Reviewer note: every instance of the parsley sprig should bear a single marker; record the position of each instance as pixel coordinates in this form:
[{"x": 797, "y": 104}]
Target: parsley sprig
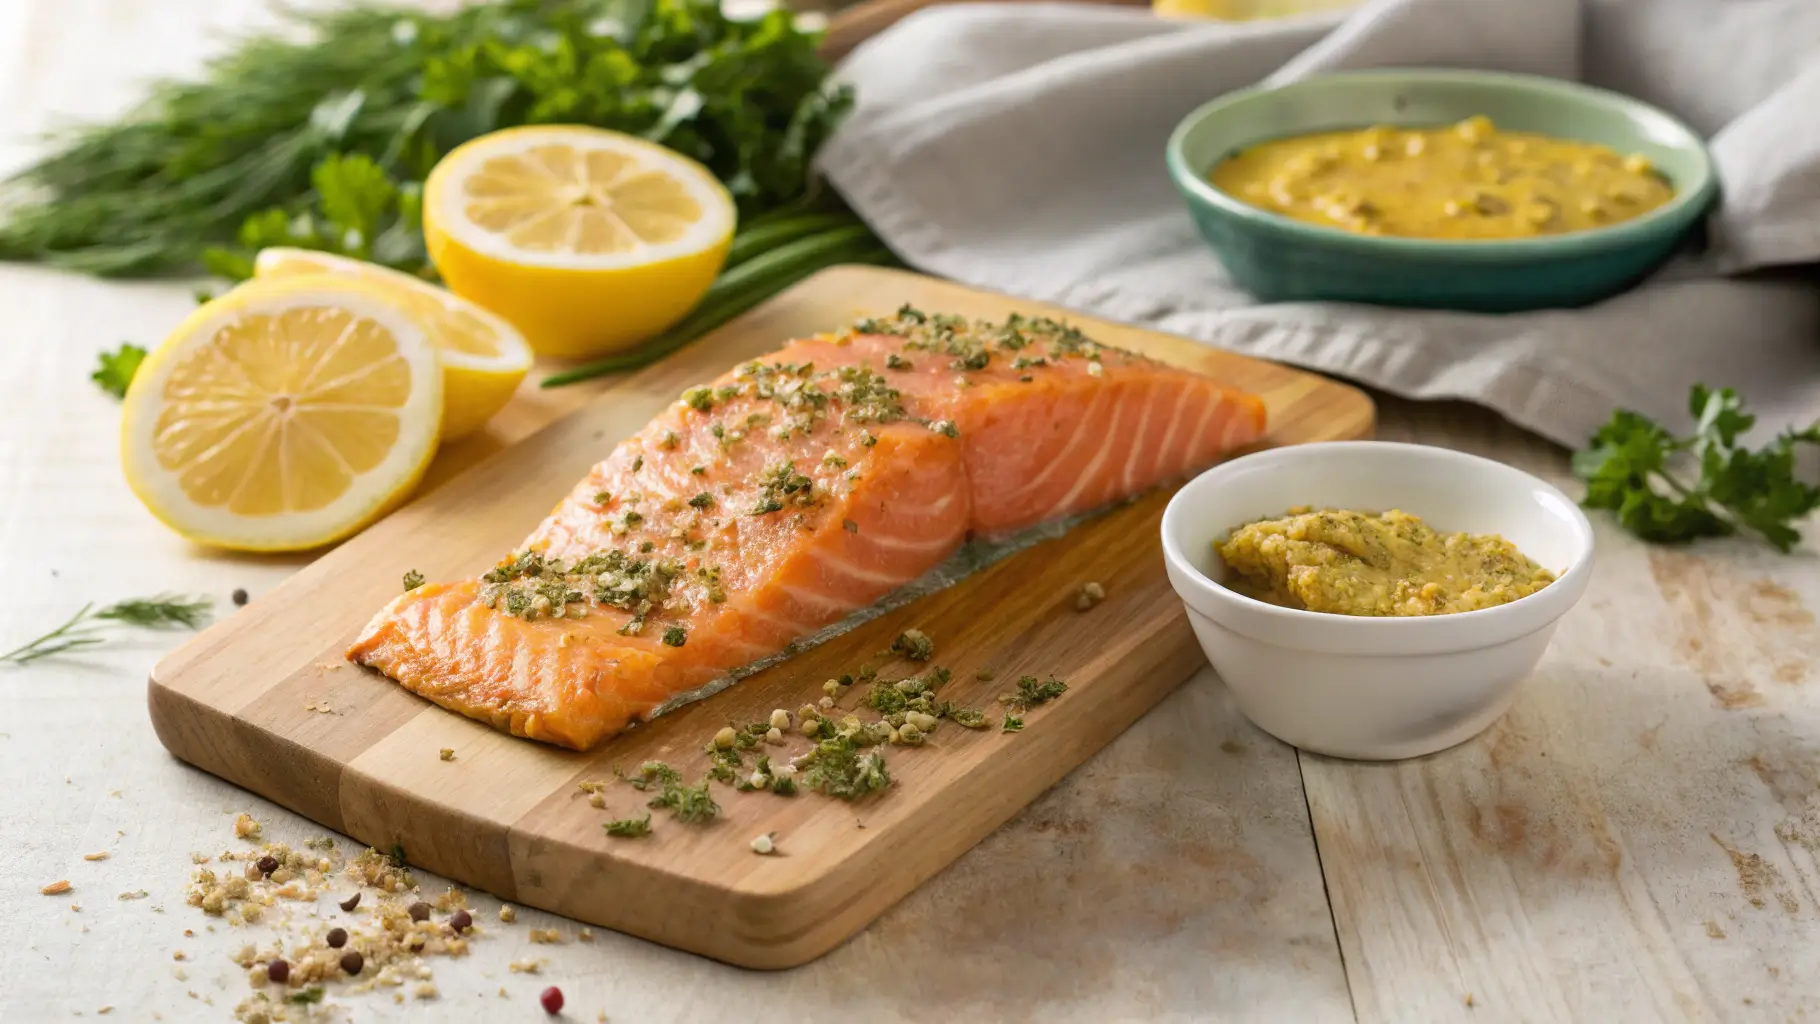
[
  {"x": 116, "y": 369},
  {"x": 1647, "y": 476},
  {"x": 89, "y": 626}
]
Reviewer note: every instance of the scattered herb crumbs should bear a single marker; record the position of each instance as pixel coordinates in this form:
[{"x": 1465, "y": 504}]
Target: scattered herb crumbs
[
  {"x": 914, "y": 644},
  {"x": 838, "y": 768},
  {"x": 690, "y": 805},
  {"x": 1031, "y": 692},
  {"x": 699, "y": 470},
  {"x": 629, "y": 828},
  {"x": 305, "y": 996},
  {"x": 413, "y": 580},
  {"x": 1012, "y": 723},
  {"x": 702, "y": 500},
  {"x": 397, "y": 855},
  {"x": 603, "y": 497},
  {"x": 969, "y": 718},
  {"x": 638, "y": 463},
  {"x": 654, "y": 773},
  {"x": 118, "y": 368},
  {"x": 675, "y": 636},
  {"x": 447, "y": 753},
  {"x": 849, "y": 525}
]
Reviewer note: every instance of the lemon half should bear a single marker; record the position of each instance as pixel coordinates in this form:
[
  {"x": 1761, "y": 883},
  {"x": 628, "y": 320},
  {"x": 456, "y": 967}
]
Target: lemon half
[
  {"x": 284, "y": 415},
  {"x": 588, "y": 240},
  {"x": 483, "y": 357}
]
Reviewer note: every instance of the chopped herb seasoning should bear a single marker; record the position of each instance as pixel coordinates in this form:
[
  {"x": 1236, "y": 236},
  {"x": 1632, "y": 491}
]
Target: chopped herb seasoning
[
  {"x": 914, "y": 645},
  {"x": 1012, "y": 723},
  {"x": 849, "y": 525},
  {"x": 699, "y": 470},
  {"x": 413, "y": 580},
  {"x": 1031, "y": 692},
  {"x": 837, "y": 768},
  {"x": 699, "y": 399},
  {"x": 675, "y": 636},
  {"x": 669, "y": 441},
  {"x": 306, "y": 996},
  {"x": 702, "y": 500},
  {"x": 691, "y": 805},
  {"x": 653, "y": 773},
  {"x": 779, "y": 484},
  {"x": 967, "y": 718},
  {"x": 603, "y": 497},
  {"x": 645, "y": 547},
  {"x": 629, "y": 828},
  {"x": 638, "y": 463},
  {"x": 946, "y": 428},
  {"x": 897, "y": 362},
  {"x": 867, "y": 440}
]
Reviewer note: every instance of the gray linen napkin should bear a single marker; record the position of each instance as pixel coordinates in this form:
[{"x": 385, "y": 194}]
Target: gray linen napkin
[{"x": 1018, "y": 147}]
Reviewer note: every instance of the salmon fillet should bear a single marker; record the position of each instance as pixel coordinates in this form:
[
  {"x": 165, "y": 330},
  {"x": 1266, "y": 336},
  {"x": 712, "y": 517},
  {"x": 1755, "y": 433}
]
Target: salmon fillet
[{"x": 785, "y": 495}]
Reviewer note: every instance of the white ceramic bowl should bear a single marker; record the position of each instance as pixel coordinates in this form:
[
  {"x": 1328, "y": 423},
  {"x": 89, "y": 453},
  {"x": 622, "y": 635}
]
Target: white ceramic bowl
[{"x": 1374, "y": 688}]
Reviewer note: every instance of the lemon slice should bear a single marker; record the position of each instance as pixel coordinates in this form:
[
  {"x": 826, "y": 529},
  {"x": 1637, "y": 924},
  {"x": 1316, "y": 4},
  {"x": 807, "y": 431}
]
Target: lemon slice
[
  {"x": 483, "y": 357},
  {"x": 284, "y": 415},
  {"x": 588, "y": 240}
]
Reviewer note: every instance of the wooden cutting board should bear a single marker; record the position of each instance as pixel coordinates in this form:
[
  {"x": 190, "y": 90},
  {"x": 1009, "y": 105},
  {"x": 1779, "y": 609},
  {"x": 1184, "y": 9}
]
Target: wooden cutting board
[{"x": 264, "y": 698}]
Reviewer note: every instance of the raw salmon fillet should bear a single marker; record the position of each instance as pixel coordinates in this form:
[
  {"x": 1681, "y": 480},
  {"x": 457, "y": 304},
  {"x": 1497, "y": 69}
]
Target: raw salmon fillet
[{"x": 787, "y": 494}]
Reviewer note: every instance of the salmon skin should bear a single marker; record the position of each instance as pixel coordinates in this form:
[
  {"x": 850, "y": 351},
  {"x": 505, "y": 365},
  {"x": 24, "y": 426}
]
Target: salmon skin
[{"x": 787, "y": 494}]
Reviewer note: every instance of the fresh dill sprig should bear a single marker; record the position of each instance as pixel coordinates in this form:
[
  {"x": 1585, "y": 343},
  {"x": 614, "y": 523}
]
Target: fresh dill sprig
[{"x": 88, "y": 626}]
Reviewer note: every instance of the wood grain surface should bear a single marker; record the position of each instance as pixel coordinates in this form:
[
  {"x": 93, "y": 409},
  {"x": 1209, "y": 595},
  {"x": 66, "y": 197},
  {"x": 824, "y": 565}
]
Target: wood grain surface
[{"x": 244, "y": 699}]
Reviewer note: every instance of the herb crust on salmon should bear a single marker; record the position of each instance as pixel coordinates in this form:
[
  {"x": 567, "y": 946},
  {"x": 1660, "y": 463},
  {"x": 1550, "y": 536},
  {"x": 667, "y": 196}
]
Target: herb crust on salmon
[{"x": 789, "y": 493}]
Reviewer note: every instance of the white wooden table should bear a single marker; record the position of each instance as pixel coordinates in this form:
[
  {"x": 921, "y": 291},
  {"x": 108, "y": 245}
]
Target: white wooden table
[{"x": 1636, "y": 840}]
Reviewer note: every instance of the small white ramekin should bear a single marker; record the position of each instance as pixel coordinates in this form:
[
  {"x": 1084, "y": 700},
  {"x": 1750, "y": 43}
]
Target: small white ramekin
[{"x": 1374, "y": 688}]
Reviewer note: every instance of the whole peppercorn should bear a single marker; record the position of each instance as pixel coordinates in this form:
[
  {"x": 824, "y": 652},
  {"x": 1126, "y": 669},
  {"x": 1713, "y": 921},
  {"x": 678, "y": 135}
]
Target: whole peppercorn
[
  {"x": 352, "y": 961},
  {"x": 267, "y": 864},
  {"x": 337, "y": 938},
  {"x": 239, "y": 596},
  {"x": 278, "y": 971},
  {"x": 551, "y": 1000},
  {"x": 461, "y": 920},
  {"x": 420, "y": 911}
]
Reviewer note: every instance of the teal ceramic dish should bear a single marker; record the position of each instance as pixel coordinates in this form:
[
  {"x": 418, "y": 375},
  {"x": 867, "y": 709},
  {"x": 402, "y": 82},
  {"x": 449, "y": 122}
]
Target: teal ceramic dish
[{"x": 1283, "y": 260}]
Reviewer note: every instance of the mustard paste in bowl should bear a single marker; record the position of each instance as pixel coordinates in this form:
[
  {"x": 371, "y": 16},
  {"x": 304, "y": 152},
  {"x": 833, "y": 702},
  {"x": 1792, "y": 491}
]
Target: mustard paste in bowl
[{"x": 1465, "y": 181}]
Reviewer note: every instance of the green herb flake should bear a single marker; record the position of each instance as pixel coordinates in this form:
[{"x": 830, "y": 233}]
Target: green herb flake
[
  {"x": 691, "y": 805},
  {"x": 838, "y": 768},
  {"x": 652, "y": 773},
  {"x": 413, "y": 580},
  {"x": 675, "y": 636},
  {"x": 702, "y": 500},
  {"x": 914, "y": 645},
  {"x": 1012, "y": 723},
  {"x": 629, "y": 828},
  {"x": 305, "y": 996},
  {"x": 849, "y": 525},
  {"x": 116, "y": 369},
  {"x": 1032, "y": 692},
  {"x": 638, "y": 463}
]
